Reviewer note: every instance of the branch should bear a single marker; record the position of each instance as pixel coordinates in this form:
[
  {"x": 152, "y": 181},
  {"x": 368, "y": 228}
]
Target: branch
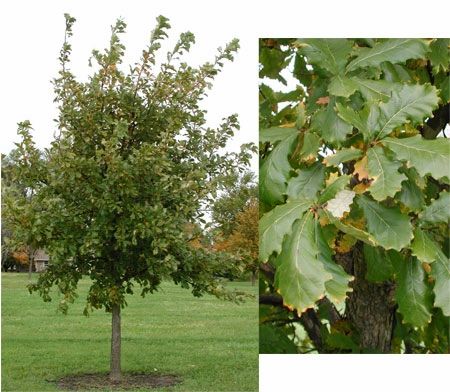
[
  {"x": 311, "y": 322},
  {"x": 334, "y": 314},
  {"x": 271, "y": 299},
  {"x": 268, "y": 271},
  {"x": 309, "y": 319},
  {"x": 435, "y": 124}
]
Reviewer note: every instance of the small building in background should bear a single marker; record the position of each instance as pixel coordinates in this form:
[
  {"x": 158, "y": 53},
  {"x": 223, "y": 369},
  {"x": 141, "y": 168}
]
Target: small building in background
[{"x": 40, "y": 260}]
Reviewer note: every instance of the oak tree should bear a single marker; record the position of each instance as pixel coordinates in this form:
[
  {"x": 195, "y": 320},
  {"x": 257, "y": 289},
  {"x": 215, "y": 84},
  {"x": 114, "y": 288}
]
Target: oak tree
[{"x": 131, "y": 166}]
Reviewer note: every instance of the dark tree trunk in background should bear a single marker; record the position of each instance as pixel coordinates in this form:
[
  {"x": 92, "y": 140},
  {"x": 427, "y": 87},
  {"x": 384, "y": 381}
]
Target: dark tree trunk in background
[
  {"x": 115, "y": 371},
  {"x": 370, "y": 307},
  {"x": 30, "y": 262}
]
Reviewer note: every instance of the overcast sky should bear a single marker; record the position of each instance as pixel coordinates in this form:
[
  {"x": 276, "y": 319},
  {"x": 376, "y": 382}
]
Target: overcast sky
[
  {"x": 39, "y": 32},
  {"x": 32, "y": 33}
]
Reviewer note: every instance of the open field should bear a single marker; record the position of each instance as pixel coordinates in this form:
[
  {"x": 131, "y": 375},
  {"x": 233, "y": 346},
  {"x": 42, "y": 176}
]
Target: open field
[{"x": 211, "y": 344}]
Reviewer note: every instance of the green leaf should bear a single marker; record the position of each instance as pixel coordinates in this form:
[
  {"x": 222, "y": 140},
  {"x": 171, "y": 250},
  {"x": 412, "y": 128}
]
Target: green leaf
[
  {"x": 336, "y": 288},
  {"x": 332, "y": 128},
  {"x": 427, "y": 156},
  {"x": 342, "y": 342},
  {"x": 390, "y": 228},
  {"x": 330, "y": 54},
  {"x": 273, "y": 340},
  {"x": 440, "y": 271},
  {"x": 379, "y": 265},
  {"x": 423, "y": 247},
  {"x": 331, "y": 190},
  {"x": 438, "y": 210},
  {"x": 411, "y": 195},
  {"x": 273, "y": 61},
  {"x": 410, "y": 103},
  {"x": 440, "y": 55},
  {"x": 375, "y": 90},
  {"x": 308, "y": 182},
  {"x": 359, "y": 234},
  {"x": 350, "y": 116},
  {"x": 342, "y": 86},
  {"x": 445, "y": 89},
  {"x": 392, "y": 50},
  {"x": 274, "y": 172},
  {"x": 300, "y": 276},
  {"x": 276, "y": 134},
  {"x": 277, "y": 223},
  {"x": 384, "y": 171},
  {"x": 343, "y": 155},
  {"x": 396, "y": 73},
  {"x": 412, "y": 293},
  {"x": 310, "y": 146}
]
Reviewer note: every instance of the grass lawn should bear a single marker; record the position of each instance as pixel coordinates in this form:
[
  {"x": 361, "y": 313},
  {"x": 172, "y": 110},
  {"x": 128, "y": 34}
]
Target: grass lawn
[{"x": 211, "y": 344}]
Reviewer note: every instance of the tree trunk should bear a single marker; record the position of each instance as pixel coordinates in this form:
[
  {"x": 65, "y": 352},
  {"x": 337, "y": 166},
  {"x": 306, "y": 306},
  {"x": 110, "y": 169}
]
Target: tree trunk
[
  {"x": 115, "y": 371},
  {"x": 30, "y": 262},
  {"x": 253, "y": 277},
  {"x": 370, "y": 307}
]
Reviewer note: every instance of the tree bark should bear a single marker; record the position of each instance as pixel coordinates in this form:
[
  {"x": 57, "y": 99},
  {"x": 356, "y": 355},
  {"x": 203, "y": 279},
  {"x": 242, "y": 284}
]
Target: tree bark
[
  {"x": 370, "y": 307},
  {"x": 30, "y": 262},
  {"x": 115, "y": 371}
]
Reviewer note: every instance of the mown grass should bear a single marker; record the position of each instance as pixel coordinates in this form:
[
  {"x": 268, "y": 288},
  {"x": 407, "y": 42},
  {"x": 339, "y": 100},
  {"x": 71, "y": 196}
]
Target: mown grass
[{"x": 211, "y": 344}]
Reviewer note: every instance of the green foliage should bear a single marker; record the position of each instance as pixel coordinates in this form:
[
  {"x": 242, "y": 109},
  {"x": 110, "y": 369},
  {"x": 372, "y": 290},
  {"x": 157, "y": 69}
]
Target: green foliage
[
  {"x": 132, "y": 167},
  {"x": 373, "y": 176}
]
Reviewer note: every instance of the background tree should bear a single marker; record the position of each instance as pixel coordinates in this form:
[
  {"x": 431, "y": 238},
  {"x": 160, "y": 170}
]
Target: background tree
[
  {"x": 243, "y": 239},
  {"x": 22, "y": 173},
  {"x": 239, "y": 191},
  {"x": 235, "y": 221},
  {"x": 354, "y": 232},
  {"x": 133, "y": 163}
]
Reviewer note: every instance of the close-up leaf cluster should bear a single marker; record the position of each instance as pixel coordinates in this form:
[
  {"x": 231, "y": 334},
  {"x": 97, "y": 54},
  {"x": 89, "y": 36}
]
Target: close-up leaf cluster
[{"x": 354, "y": 193}]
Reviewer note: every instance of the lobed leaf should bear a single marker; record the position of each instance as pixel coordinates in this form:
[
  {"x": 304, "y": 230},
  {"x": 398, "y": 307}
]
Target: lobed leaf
[
  {"x": 342, "y": 155},
  {"x": 427, "y": 156},
  {"x": 309, "y": 181},
  {"x": 411, "y": 195},
  {"x": 390, "y": 228},
  {"x": 330, "y": 54},
  {"x": 438, "y": 210},
  {"x": 392, "y": 50},
  {"x": 310, "y": 146},
  {"x": 342, "y": 86},
  {"x": 274, "y": 172},
  {"x": 338, "y": 286},
  {"x": 440, "y": 271},
  {"x": 423, "y": 247},
  {"x": 300, "y": 276},
  {"x": 412, "y": 293},
  {"x": 332, "y": 128},
  {"x": 410, "y": 103},
  {"x": 378, "y": 263},
  {"x": 276, "y": 134},
  {"x": 384, "y": 171},
  {"x": 277, "y": 223},
  {"x": 375, "y": 90}
]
